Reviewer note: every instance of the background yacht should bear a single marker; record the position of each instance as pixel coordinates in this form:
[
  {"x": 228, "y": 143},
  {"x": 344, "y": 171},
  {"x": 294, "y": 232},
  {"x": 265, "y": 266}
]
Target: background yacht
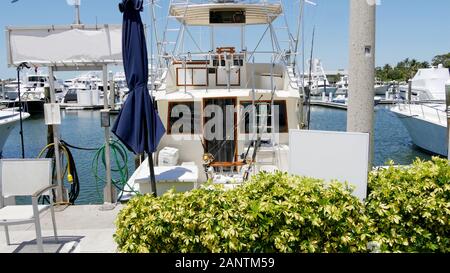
[
  {"x": 32, "y": 93},
  {"x": 425, "y": 117},
  {"x": 319, "y": 81},
  {"x": 428, "y": 84}
]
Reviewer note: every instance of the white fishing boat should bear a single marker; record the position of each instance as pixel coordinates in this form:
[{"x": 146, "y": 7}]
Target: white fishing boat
[
  {"x": 9, "y": 118},
  {"x": 425, "y": 117},
  {"x": 426, "y": 124},
  {"x": 227, "y": 116},
  {"x": 427, "y": 85},
  {"x": 381, "y": 88},
  {"x": 319, "y": 83}
]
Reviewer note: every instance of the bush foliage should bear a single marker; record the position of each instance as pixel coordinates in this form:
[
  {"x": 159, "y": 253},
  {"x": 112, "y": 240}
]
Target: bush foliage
[
  {"x": 407, "y": 211},
  {"x": 272, "y": 213},
  {"x": 410, "y": 207}
]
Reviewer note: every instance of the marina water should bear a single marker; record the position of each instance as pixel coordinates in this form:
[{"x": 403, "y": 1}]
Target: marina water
[{"x": 82, "y": 129}]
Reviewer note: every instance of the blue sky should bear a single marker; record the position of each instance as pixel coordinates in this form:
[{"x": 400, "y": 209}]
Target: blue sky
[{"x": 405, "y": 28}]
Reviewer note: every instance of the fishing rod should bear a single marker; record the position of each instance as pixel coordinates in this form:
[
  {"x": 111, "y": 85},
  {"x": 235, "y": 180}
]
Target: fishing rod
[{"x": 308, "y": 91}]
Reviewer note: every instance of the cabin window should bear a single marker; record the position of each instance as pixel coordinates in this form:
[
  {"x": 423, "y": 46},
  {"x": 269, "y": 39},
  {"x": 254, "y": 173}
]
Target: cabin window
[
  {"x": 197, "y": 76},
  {"x": 184, "y": 118},
  {"x": 227, "y": 17},
  {"x": 263, "y": 112}
]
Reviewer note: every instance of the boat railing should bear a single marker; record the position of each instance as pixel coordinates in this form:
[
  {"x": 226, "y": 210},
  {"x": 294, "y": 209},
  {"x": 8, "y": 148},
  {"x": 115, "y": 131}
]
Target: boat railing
[{"x": 420, "y": 109}]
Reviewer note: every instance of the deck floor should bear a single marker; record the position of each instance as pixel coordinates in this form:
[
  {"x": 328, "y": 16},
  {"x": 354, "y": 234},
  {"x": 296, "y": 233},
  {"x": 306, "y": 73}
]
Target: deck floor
[{"x": 81, "y": 229}]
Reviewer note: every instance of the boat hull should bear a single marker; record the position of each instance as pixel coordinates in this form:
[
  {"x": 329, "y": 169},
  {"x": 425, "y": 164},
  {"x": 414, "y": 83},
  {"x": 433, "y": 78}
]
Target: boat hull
[
  {"x": 7, "y": 124},
  {"x": 327, "y": 90},
  {"x": 381, "y": 90},
  {"x": 426, "y": 135},
  {"x": 32, "y": 107}
]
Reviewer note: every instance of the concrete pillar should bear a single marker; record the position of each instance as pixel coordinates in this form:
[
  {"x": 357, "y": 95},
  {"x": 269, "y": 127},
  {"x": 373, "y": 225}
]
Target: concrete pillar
[
  {"x": 362, "y": 70},
  {"x": 447, "y": 94}
]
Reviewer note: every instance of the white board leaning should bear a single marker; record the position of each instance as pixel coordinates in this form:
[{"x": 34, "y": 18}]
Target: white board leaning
[
  {"x": 64, "y": 45},
  {"x": 331, "y": 156}
]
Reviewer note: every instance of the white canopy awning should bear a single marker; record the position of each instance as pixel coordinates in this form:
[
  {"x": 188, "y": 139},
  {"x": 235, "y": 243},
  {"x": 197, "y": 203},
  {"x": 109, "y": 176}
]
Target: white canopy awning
[
  {"x": 69, "y": 46},
  {"x": 198, "y": 14}
]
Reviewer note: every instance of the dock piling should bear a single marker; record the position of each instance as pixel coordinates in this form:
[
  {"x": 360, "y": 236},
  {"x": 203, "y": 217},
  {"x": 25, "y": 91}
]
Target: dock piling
[
  {"x": 362, "y": 70},
  {"x": 447, "y": 95}
]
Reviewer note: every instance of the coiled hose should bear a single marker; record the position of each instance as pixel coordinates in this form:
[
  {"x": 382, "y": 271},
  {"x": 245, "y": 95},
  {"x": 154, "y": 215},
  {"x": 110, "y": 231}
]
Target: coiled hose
[
  {"x": 69, "y": 171},
  {"x": 119, "y": 166}
]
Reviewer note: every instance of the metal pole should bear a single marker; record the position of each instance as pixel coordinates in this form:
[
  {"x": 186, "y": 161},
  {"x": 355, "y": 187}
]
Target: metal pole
[
  {"x": 60, "y": 196},
  {"x": 150, "y": 155},
  {"x": 212, "y": 38},
  {"x": 77, "y": 14},
  {"x": 152, "y": 82},
  {"x": 152, "y": 175},
  {"x": 242, "y": 37},
  {"x": 109, "y": 196},
  {"x": 409, "y": 91},
  {"x": 20, "y": 112},
  {"x": 362, "y": 70},
  {"x": 447, "y": 93}
]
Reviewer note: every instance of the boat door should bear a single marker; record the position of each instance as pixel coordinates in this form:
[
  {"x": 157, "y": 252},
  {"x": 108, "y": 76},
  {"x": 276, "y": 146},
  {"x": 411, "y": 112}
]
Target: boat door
[{"x": 220, "y": 137}]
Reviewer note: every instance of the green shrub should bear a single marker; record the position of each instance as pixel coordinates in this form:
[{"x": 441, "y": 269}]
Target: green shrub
[
  {"x": 407, "y": 210},
  {"x": 410, "y": 207},
  {"x": 272, "y": 213}
]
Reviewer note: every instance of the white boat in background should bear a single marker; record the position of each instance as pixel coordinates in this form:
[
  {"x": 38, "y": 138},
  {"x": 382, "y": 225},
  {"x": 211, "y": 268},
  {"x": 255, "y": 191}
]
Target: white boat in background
[
  {"x": 319, "y": 82},
  {"x": 342, "y": 86},
  {"x": 426, "y": 124},
  {"x": 425, "y": 117},
  {"x": 381, "y": 88},
  {"x": 32, "y": 93},
  {"x": 428, "y": 84},
  {"x": 9, "y": 118},
  {"x": 84, "y": 90}
]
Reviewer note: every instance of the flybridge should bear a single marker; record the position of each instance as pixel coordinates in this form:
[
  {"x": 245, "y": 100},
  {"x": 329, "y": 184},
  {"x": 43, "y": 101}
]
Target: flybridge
[{"x": 195, "y": 13}]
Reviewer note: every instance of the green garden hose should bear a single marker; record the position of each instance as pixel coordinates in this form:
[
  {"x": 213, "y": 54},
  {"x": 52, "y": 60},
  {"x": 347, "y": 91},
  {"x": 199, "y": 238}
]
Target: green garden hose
[{"x": 119, "y": 168}]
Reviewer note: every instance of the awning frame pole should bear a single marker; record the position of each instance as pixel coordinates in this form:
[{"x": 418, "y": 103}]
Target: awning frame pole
[
  {"x": 108, "y": 191},
  {"x": 60, "y": 196}
]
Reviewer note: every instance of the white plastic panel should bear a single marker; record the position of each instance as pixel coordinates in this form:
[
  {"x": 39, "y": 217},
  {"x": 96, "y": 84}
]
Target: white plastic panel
[
  {"x": 331, "y": 156},
  {"x": 23, "y": 177},
  {"x": 52, "y": 113}
]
